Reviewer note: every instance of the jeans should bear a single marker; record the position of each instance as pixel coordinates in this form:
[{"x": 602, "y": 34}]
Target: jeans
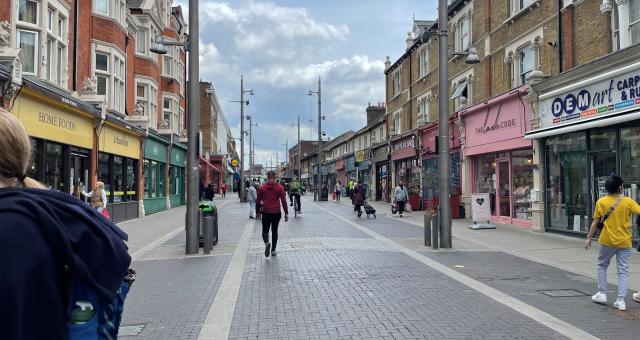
[
  {"x": 623, "y": 256},
  {"x": 270, "y": 221},
  {"x": 401, "y": 206},
  {"x": 252, "y": 208},
  {"x": 338, "y": 194}
]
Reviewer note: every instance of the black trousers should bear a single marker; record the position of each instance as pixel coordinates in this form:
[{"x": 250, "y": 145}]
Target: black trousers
[
  {"x": 270, "y": 221},
  {"x": 401, "y": 206},
  {"x": 295, "y": 196}
]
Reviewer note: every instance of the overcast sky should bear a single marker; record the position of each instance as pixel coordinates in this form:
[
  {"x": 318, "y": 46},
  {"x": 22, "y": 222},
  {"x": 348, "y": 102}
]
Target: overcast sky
[{"x": 281, "y": 47}]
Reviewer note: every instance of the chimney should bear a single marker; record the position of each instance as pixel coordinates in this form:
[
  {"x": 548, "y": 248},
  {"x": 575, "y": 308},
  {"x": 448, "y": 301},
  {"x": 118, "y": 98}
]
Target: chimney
[
  {"x": 387, "y": 63},
  {"x": 409, "y": 40},
  {"x": 374, "y": 112}
]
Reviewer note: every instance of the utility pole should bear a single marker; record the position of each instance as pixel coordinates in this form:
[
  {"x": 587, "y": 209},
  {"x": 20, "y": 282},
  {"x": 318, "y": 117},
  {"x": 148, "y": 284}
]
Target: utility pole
[
  {"x": 193, "y": 120},
  {"x": 444, "y": 167},
  {"x": 299, "y": 150},
  {"x": 316, "y": 193},
  {"x": 241, "y": 186}
]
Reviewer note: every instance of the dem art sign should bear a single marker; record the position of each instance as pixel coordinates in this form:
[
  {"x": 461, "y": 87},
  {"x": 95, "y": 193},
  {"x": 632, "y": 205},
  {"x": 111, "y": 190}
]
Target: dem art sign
[{"x": 601, "y": 98}]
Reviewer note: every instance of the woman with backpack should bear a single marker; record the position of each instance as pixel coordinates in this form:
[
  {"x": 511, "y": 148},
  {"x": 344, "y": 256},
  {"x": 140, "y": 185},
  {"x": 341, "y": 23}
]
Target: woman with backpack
[
  {"x": 612, "y": 216},
  {"x": 51, "y": 245}
]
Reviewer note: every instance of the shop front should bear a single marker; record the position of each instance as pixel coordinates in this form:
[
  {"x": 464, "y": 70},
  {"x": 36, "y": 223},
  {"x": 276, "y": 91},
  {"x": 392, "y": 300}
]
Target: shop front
[
  {"x": 177, "y": 175},
  {"x": 431, "y": 183},
  {"x": 118, "y": 168},
  {"x": 501, "y": 160},
  {"x": 332, "y": 177},
  {"x": 350, "y": 168},
  {"x": 61, "y": 129},
  {"x": 363, "y": 164},
  {"x": 589, "y": 128},
  {"x": 406, "y": 167},
  {"x": 340, "y": 171},
  {"x": 380, "y": 164},
  {"x": 155, "y": 174}
]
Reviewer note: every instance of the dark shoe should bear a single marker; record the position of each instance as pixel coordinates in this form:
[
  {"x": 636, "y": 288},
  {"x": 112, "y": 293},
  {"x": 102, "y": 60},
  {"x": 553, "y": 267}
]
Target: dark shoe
[
  {"x": 291, "y": 204},
  {"x": 251, "y": 217},
  {"x": 267, "y": 249},
  {"x": 359, "y": 213}
]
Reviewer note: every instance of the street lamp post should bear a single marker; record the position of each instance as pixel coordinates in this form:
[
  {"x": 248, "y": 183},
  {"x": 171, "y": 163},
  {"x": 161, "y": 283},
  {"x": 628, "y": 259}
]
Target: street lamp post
[
  {"x": 297, "y": 162},
  {"x": 242, "y": 104},
  {"x": 444, "y": 167},
  {"x": 193, "y": 119},
  {"x": 251, "y": 149},
  {"x": 316, "y": 193}
]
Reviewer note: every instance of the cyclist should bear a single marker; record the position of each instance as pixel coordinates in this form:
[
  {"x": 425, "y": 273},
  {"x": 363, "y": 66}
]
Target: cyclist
[{"x": 294, "y": 191}]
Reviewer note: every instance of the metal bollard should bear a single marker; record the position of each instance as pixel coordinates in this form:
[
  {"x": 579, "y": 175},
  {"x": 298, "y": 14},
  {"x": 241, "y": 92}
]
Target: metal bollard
[
  {"x": 427, "y": 229},
  {"x": 208, "y": 234},
  {"x": 435, "y": 228}
]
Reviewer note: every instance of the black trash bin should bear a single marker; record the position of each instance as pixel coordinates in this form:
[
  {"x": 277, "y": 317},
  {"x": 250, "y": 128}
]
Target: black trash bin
[
  {"x": 208, "y": 212},
  {"x": 324, "y": 194}
]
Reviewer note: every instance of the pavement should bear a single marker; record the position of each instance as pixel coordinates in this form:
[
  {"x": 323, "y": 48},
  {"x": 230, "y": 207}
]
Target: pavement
[{"x": 337, "y": 276}]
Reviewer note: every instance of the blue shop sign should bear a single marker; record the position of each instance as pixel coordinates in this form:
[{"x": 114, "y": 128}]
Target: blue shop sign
[
  {"x": 590, "y": 99},
  {"x": 350, "y": 163},
  {"x": 364, "y": 165}
]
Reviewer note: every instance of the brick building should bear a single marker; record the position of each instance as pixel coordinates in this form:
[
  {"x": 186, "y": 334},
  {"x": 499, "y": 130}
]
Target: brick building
[
  {"x": 88, "y": 64},
  {"x": 489, "y": 102}
]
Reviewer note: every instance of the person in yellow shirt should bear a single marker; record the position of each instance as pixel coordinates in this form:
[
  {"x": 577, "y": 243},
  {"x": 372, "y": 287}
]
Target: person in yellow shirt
[{"x": 614, "y": 239}]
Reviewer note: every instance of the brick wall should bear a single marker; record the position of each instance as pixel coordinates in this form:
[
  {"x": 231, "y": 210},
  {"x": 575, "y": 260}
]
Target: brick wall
[
  {"x": 84, "y": 41},
  {"x": 592, "y": 32},
  {"x": 5, "y": 13},
  {"x": 108, "y": 31}
]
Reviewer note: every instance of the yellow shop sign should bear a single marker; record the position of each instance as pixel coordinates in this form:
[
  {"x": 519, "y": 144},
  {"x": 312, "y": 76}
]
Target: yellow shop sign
[
  {"x": 360, "y": 156},
  {"x": 118, "y": 142},
  {"x": 55, "y": 124}
]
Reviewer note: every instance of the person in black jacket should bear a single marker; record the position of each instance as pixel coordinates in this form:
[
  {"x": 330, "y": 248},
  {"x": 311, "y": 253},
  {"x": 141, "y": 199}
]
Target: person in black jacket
[
  {"x": 47, "y": 239},
  {"x": 209, "y": 193}
]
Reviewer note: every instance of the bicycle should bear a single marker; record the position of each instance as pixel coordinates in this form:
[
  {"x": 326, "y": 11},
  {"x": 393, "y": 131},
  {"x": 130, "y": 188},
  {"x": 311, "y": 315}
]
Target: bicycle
[{"x": 296, "y": 205}]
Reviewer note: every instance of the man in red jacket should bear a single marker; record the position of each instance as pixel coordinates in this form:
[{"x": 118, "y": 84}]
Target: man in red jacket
[{"x": 270, "y": 197}]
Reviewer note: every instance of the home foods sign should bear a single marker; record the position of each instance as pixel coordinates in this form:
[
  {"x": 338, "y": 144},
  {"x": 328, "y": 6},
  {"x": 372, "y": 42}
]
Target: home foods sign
[{"x": 604, "y": 97}]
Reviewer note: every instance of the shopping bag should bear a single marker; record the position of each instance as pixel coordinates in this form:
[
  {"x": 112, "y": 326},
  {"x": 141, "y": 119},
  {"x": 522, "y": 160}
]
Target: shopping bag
[{"x": 105, "y": 213}]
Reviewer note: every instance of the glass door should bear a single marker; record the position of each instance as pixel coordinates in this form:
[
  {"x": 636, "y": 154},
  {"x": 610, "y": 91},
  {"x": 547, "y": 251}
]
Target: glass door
[
  {"x": 504, "y": 189},
  {"x": 603, "y": 164}
]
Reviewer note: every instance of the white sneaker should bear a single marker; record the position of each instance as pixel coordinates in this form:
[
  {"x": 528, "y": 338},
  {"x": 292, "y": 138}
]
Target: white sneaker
[
  {"x": 600, "y": 298},
  {"x": 620, "y": 305},
  {"x": 274, "y": 253},
  {"x": 636, "y": 297}
]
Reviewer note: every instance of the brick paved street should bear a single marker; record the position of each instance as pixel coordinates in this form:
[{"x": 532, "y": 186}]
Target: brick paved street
[{"x": 340, "y": 277}]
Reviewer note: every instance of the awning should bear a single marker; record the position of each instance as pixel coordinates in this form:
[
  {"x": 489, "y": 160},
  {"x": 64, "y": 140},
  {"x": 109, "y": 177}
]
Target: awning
[
  {"x": 206, "y": 162},
  {"x": 458, "y": 92}
]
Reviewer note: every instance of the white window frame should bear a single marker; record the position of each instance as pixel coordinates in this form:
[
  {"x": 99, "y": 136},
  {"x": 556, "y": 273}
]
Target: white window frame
[
  {"x": 117, "y": 11},
  {"x": 423, "y": 57},
  {"x": 168, "y": 59},
  {"x": 397, "y": 121},
  {"x": 515, "y": 6},
  {"x": 180, "y": 76},
  {"x": 116, "y": 75},
  {"x": 36, "y": 56},
  {"x": 173, "y": 111},
  {"x": 631, "y": 24},
  {"x": 149, "y": 101},
  {"x": 460, "y": 46},
  {"x": 423, "y": 106},
  {"x": 142, "y": 41},
  {"x": 396, "y": 81}
]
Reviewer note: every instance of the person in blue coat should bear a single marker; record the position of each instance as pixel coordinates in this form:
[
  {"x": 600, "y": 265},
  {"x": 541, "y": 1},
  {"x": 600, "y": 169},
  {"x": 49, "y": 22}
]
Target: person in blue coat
[{"x": 47, "y": 238}]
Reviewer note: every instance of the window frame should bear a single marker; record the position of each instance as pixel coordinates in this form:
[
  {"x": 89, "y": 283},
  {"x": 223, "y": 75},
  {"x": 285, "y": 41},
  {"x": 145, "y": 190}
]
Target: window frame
[
  {"x": 116, "y": 89},
  {"x": 38, "y": 9},
  {"x": 459, "y": 34},
  {"x": 149, "y": 100},
  {"x": 142, "y": 42},
  {"x": 36, "y": 54},
  {"x": 396, "y": 80},
  {"x": 423, "y": 60}
]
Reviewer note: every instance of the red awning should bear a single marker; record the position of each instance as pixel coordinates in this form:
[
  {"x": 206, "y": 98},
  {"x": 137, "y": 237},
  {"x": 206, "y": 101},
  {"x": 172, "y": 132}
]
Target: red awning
[{"x": 203, "y": 160}]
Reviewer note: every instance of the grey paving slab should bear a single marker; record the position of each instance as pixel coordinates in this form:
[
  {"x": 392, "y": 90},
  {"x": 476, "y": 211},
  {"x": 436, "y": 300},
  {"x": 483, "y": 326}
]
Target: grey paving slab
[
  {"x": 525, "y": 279},
  {"x": 171, "y": 297},
  {"x": 363, "y": 294}
]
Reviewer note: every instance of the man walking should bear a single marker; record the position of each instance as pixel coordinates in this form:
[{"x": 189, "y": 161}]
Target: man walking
[
  {"x": 271, "y": 197},
  {"x": 252, "y": 196},
  {"x": 400, "y": 197}
]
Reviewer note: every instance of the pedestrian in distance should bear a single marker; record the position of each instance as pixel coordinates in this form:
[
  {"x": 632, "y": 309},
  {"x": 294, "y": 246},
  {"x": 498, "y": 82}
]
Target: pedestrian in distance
[
  {"x": 98, "y": 199},
  {"x": 359, "y": 197},
  {"x": 252, "y": 196},
  {"x": 614, "y": 211},
  {"x": 224, "y": 189},
  {"x": 338, "y": 191},
  {"x": 294, "y": 192},
  {"x": 400, "y": 197},
  {"x": 201, "y": 189},
  {"x": 50, "y": 241},
  {"x": 271, "y": 197},
  {"x": 209, "y": 193}
]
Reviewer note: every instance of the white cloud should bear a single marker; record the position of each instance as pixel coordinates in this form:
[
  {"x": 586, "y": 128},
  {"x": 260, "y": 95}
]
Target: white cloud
[{"x": 211, "y": 61}]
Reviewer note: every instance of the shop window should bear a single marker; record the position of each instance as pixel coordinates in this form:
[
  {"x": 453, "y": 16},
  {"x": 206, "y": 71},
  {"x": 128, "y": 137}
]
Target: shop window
[
  {"x": 485, "y": 178},
  {"x": 118, "y": 179},
  {"x": 177, "y": 180},
  {"x": 567, "y": 182},
  {"x": 53, "y": 166},
  {"x": 522, "y": 173},
  {"x": 132, "y": 180},
  {"x": 630, "y": 153},
  {"x": 103, "y": 174},
  {"x": 32, "y": 170}
]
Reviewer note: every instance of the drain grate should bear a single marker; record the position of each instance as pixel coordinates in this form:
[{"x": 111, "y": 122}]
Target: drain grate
[
  {"x": 629, "y": 314},
  {"x": 562, "y": 293},
  {"x": 130, "y": 330}
]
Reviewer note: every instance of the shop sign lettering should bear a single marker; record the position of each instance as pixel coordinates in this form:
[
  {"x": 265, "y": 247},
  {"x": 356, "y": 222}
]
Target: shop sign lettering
[
  {"x": 600, "y": 98},
  {"x": 121, "y": 140},
  {"x": 56, "y": 121},
  {"x": 407, "y": 143},
  {"x": 506, "y": 124}
]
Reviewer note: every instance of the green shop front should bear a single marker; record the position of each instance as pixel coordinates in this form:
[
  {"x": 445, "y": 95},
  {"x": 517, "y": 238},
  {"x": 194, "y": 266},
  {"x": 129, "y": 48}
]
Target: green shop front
[
  {"x": 155, "y": 174},
  {"x": 177, "y": 175}
]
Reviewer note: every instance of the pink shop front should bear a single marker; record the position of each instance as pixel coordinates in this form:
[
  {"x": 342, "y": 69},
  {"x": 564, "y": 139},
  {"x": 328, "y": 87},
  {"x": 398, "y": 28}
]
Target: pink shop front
[{"x": 499, "y": 159}]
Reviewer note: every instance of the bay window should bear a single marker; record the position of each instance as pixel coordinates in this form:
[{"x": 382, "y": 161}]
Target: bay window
[
  {"x": 141, "y": 42},
  {"x": 27, "y": 42},
  {"x": 170, "y": 113},
  {"x": 146, "y": 100},
  {"x": 28, "y": 11},
  {"x": 110, "y": 71}
]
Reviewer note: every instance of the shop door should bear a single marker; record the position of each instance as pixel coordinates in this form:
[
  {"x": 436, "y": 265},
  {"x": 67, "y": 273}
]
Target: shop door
[
  {"x": 504, "y": 190},
  {"x": 79, "y": 173},
  {"x": 603, "y": 164}
]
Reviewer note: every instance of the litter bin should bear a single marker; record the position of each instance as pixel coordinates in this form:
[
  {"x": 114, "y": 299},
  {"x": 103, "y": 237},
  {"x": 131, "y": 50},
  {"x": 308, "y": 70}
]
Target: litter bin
[
  {"x": 324, "y": 194},
  {"x": 208, "y": 226}
]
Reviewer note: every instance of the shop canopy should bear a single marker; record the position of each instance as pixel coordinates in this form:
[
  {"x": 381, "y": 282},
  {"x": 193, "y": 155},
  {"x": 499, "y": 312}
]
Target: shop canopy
[{"x": 204, "y": 162}]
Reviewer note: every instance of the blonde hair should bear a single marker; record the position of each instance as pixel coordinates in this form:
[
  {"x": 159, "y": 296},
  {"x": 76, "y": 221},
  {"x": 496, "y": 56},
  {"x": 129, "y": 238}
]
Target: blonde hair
[{"x": 15, "y": 153}]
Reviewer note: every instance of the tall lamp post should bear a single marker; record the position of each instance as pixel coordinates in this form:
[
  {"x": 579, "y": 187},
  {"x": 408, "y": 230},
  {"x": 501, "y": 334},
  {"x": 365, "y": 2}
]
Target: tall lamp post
[
  {"x": 193, "y": 119},
  {"x": 251, "y": 150},
  {"x": 297, "y": 162},
  {"x": 242, "y": 104},
  {"x": 316, "y": 193},
  {"x": 444, "y": 167}
]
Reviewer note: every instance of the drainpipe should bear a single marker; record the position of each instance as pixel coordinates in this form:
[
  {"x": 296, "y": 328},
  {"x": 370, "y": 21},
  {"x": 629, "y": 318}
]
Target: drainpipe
[
  {"x": 560, "y": 36},
  {"x": 74, "y": 81}
]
